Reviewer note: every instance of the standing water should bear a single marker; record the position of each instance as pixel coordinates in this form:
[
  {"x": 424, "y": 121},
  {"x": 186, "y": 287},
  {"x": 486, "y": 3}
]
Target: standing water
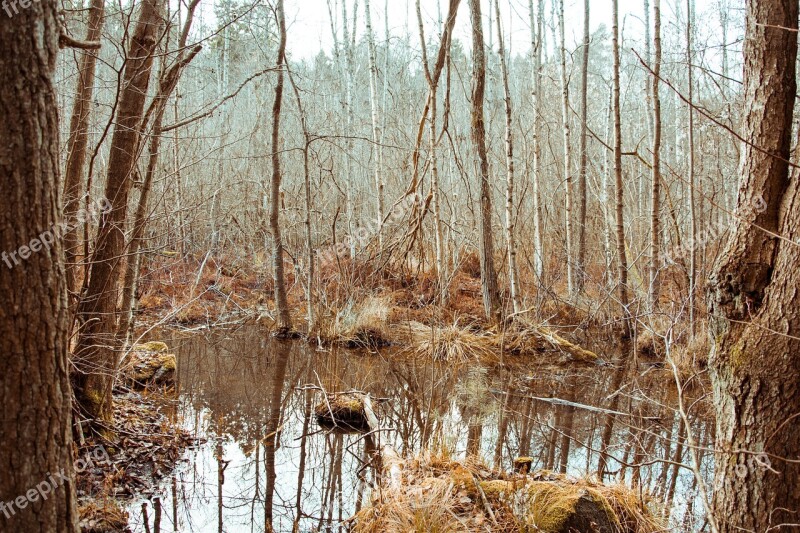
[{"x": 262, "y": 459}]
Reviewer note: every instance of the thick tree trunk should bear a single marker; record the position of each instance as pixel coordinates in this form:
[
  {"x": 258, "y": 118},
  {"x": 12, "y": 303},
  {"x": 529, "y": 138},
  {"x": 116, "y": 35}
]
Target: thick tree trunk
[
  {"x": 491, "y": 294},
  {"x": 77, "y": 144},
  {"x": 753, "y": 294},
  {"x": 35, "y": 435},
  {"x": 95, "y": 352},
  {"x": 281, "y": 302}
]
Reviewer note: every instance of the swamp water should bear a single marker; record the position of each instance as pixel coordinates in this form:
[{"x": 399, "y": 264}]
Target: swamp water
[{"x": 263, "y": 458}]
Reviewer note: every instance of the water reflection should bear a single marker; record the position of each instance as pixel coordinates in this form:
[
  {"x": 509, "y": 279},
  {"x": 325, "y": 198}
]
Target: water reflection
[{"x": 266, "y": 465}]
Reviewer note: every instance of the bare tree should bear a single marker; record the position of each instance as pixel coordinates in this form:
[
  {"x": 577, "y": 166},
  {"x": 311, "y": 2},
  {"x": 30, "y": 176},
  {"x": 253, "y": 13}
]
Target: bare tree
[
  {"x": 692, "y": 182},
  {"x": 513, "y": 276},
  {"x": 78, "y": 142},
  {"x": 284, "y": 325},
  {"x": 580, "y": 266},
  {"x": 376, "y": 137},
  {"x": 622, "y": 262},
  {"x": 537, "y": 34},
  {"x": 655, "y": 203},
  {"x": 565, "y": 113},
  {"x": 491, "y": 293},
  {"x": 95, "y": 351}
]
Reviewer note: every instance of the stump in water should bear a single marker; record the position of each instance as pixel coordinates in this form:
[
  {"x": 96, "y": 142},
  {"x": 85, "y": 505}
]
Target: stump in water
[{"x": 346, "y": 413}]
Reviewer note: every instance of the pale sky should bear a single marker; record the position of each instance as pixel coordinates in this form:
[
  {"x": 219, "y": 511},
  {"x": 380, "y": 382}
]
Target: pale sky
[{"x": 310, "y": 30}]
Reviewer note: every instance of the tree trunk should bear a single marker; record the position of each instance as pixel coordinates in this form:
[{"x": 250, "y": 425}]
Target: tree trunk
[
  {"x": 565, "y": 109},
  {"x": 167, "y": 84},
  {"x": 95, "y": 354},
  {"x": 622, "y": 262},
  {"x": 77, "y": 143},
  {"x": 35, "y": 436},
  {"x": 491, "y": 294},
  {"x": 655, "y": 213},
  {"x": 692, "y": 213},
  {"x": 536, "y": 50},
  {"x": 580, "y": 265},
  {"x": 433, "y": 84},
  {"x": 281, "y": 303},
  {"x": 511, "y": 245},
  {"x": 752, "y": 296},
  {"x": 376, "y": 138}
]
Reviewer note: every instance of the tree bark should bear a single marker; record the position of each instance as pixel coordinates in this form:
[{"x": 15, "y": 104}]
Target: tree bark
[
  {"x": 752, "y": 295},
  {"x": 35, "y": 435},
  {"x": 95, "y": 352},
  {"x": 77, "y": 143},
  {"x": 281, "y": 302},
  {"x": 491, "y": 294}
]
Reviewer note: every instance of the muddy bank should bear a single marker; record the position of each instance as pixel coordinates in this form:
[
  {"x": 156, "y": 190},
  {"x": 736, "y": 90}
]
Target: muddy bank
[{"x": 139, "y": 449}]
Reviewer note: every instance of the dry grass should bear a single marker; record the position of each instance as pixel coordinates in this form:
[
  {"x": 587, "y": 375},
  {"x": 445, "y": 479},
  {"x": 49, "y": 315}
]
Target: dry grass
[
  {"x": 451, "y": 343},
  {"x": 358, "y": 325}
]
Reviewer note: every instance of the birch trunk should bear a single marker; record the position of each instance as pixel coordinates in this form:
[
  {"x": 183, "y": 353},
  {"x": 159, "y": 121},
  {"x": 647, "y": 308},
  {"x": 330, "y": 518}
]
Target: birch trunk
[
  {"x": 568, "y": 200},
  {"x": 509, "y": 138}
]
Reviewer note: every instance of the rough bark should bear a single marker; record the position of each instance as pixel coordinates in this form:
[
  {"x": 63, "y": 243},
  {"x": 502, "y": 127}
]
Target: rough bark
[
  {"x": 95, "y": 353},
  {"x": 35, "y": 436},
  {"x": 753, "y": 295},
  {"x": 78, "y": 141},
  {"x": 491, "y": 294},
  {"x": 281, "y": 302}
]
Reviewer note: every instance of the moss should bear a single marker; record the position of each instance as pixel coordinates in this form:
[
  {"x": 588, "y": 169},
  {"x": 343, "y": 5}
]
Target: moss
[
  {"x": 168, "y": 362},
  {"x": 153, "y": 346}
]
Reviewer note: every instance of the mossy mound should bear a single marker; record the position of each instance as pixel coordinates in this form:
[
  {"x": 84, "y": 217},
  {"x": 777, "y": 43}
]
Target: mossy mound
[
  {"x": 447, "y": 495},
  {"x": 151, "y": 368},
  {"x": 153, "y": 346}
]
